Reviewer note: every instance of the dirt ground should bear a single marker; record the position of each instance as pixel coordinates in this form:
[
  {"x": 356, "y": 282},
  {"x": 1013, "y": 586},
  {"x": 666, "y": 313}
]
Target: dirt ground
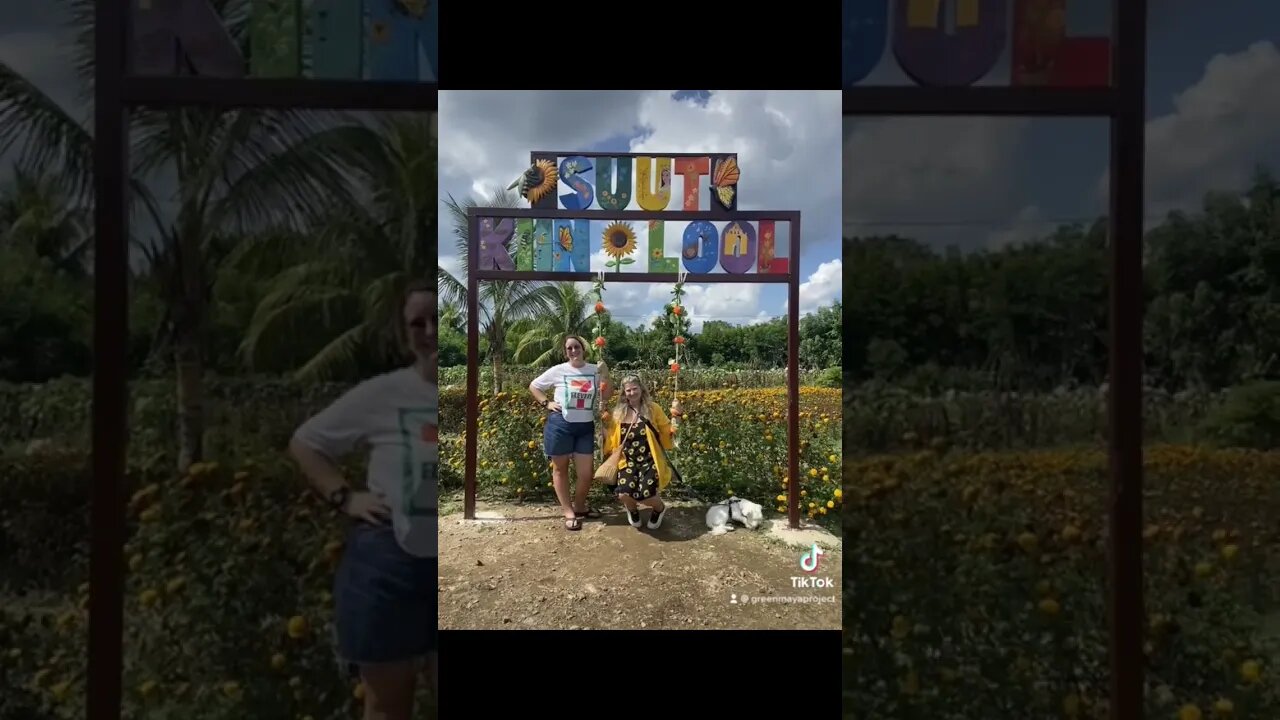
[{"x": 517, "y": 567}]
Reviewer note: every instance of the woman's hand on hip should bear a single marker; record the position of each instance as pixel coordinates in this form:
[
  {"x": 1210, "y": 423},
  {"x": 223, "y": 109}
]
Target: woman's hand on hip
[
  {"x": 368, "y": 507},
  {"x": 554, "y": 406}
]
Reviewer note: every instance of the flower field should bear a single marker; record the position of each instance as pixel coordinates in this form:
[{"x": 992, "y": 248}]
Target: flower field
[
  {"x": 975, "y": 584},
  {"x": 227, "y": 607},
  {"x": 730, "y": 441}
]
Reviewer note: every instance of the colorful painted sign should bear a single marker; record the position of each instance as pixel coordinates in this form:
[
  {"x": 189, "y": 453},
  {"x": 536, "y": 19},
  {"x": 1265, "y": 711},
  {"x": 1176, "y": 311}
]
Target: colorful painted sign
[
  {"x": 564, "y": 245},
  {"x": 955, "y": 43},
  {"x": 329, "y": 39},
  {"x": 604, "y": 183}
]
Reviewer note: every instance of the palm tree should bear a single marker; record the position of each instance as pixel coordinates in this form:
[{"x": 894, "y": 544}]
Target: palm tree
[
  {"x": 333, "y": 314},
  {"x": 233, "y": 174},
  {"x": 570, "y": 315},
  {"x": 35, "y": 213},
  {"x": 501, "y": 302}
]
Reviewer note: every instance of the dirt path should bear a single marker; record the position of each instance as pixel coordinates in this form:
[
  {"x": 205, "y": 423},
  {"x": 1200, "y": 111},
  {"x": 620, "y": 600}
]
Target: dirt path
[{"x": 522, "y": 569}]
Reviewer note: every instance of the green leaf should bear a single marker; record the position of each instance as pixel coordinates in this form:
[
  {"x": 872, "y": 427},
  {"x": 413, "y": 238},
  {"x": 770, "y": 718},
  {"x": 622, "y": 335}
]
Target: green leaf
[{"x": 626, "y": 260}]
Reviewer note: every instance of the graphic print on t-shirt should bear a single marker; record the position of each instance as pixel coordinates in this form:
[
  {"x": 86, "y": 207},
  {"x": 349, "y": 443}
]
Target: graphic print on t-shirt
[
  {"x": 418, "y": 427},
  {"x": 580, "y": 391}
]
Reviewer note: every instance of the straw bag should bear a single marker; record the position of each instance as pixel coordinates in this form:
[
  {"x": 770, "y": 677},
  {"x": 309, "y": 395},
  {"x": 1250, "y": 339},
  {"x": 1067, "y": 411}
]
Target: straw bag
[{"x": 608, "y": 471}]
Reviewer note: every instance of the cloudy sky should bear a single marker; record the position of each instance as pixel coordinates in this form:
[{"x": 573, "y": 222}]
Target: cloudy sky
[
  {"x": 787, "y": 145},
  {"x": 1213, "y": 104}
]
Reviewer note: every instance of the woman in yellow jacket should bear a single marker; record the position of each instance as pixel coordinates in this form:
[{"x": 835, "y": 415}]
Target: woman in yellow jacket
[{"x": 646, "y": 434}]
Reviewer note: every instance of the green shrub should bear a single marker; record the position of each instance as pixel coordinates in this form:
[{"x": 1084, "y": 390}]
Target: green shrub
[{"x": 1248, "y": 417}]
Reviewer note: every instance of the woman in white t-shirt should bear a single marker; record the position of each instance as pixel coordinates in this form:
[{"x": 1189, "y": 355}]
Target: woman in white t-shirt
[
  {"x": 570, "y": 430},
  {"x": 385, "y": 592}
]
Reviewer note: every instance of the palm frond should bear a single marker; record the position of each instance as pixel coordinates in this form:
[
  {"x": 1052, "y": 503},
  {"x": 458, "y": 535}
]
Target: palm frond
[
  {"x": 282, "y": 330},
  {"x": 339, "y": 358},
  {"x": 49, "y": 137},
  {"x": 295, "y": 183}
]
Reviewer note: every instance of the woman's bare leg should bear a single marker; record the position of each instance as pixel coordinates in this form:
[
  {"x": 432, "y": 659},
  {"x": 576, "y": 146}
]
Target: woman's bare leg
[
  {"x": 388, "y": 690},
  {"x": 560, "y": 479},
  {"x": 586, "y": 469}
]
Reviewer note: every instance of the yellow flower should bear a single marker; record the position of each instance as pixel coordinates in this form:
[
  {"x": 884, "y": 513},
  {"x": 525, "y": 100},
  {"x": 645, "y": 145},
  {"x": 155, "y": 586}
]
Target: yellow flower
[
  {"x": 619, "y": 240},
  {"x": 1189, "y": 712},
  {"x": 901, "y": 627},
  {"x": 297, "y": 627},
  {"x": 1250, "y": 671},
  {"x": 1049, "y": 606},
  {"x": 1223, "y": 707},
  {"x": 1229, "y": 551}
]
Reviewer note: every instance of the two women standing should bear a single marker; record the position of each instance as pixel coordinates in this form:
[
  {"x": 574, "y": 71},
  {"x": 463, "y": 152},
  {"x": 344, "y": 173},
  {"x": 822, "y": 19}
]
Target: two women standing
[{"x": 636, "y": 423}]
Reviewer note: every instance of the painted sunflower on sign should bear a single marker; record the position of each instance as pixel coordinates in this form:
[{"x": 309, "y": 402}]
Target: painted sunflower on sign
[
  {"x": 538, "y": 181},
  {"x": 619, "y": 244}
]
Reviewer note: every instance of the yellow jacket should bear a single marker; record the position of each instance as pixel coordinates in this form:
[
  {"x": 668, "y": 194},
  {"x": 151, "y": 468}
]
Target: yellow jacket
[{"x": 613, "y": 435}]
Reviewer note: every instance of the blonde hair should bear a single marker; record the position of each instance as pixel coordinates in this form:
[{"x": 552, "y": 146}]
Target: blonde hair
[{"x": 620, "y": 409}]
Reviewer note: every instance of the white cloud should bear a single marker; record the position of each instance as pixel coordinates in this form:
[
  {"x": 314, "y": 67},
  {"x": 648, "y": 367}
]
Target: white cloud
[
  {"x": 1222, "y": 126},
  {"x": 786, "y": 141},
  {"x": 904, "y": 169},
  {"x": 1028, "y": 225},
  {"x": 822, "y": 287}
]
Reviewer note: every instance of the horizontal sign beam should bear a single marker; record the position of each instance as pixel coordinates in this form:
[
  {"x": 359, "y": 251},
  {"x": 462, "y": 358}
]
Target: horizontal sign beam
[
  {"x": 635, "y": 215},
  {"x": 991, "y": 101},
  {"x": 279, "y": 93},
  {"x": 630, "y": 277}
]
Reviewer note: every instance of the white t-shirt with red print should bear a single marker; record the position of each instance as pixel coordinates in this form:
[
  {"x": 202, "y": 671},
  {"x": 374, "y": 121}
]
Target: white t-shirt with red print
[
  {"x": 396, "y": 415},
  {"x": 576, "y": 389}
]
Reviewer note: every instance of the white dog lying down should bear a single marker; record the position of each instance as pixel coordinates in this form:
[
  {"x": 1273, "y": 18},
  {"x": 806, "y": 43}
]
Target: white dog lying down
[{"x": 721, "y": 515}]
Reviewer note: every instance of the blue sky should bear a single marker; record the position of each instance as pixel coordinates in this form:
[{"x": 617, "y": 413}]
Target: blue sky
[
  {"x": 1213, "y": 101},
  {"x": 788, "y": 150}
]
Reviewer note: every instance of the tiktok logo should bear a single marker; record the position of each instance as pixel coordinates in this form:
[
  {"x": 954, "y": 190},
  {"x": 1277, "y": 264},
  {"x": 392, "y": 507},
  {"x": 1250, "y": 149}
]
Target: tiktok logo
[{"x": 809, "y": 560}]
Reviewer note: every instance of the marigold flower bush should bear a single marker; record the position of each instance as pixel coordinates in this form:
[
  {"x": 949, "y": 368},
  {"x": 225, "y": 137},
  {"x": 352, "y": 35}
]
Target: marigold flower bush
[
  {"x": 975, "y": 584},
  {"x": 731, "y": 442},
  {"x": 227, "y": 607}
]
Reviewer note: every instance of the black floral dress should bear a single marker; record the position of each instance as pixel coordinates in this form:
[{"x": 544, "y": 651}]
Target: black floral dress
[{"x": 639, "y": 477}]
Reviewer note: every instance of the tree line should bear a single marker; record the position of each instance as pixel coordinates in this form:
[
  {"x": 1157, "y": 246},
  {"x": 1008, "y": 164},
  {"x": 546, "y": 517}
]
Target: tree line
[{"x": 1035, "y": 316}]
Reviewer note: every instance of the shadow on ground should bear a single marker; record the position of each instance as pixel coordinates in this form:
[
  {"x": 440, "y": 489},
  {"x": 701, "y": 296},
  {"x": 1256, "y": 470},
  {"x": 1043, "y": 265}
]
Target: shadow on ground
[{"x": 516, "y": 566}]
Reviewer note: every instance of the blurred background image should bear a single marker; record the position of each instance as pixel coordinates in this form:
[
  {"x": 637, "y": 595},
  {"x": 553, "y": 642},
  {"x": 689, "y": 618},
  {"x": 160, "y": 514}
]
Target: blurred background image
[
  {"x": 975, "y": 410},
  {"x": 270, "y": 251}
]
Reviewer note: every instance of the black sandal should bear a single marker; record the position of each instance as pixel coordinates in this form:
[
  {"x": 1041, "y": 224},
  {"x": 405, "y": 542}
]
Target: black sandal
[{"x": 573, "y": 523}]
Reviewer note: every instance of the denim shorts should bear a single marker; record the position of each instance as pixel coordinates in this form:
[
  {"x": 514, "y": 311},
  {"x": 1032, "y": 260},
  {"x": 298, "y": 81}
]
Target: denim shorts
[
  {"x": 385, "y": 600},
  {"x": 561, "y": 437}
]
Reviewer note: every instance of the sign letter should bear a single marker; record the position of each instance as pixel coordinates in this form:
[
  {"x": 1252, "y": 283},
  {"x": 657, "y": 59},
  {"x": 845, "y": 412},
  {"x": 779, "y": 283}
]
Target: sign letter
[
  {"x": 935, "y": 56},
  {"x": 650, "y": 200}
]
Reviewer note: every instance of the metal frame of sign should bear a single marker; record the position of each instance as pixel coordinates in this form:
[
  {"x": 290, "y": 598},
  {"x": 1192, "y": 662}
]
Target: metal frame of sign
[
  {"x": 116, "y": 90},
  {"x": 1124, "y": 103},
  {"x": 791, "y": 278}
]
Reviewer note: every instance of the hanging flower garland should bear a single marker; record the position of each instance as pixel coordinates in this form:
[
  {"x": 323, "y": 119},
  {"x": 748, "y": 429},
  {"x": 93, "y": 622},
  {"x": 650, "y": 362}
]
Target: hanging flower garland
[
  {"x": 602, "y": 369},
  {"x": 679, "y": 319}
]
